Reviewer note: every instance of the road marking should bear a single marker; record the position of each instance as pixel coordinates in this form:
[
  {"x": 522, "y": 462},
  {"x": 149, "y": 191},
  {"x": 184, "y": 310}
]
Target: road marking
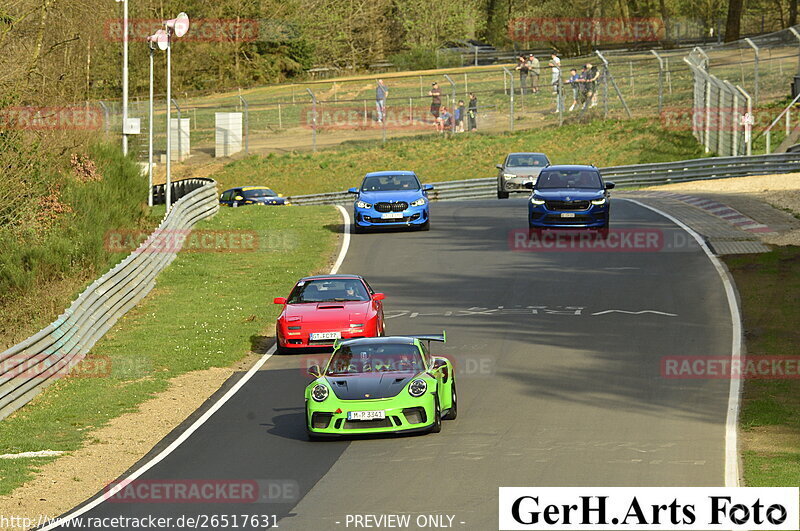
[
  {"x": 207, "y": 415},
  {"x": 734, "y": 391}
]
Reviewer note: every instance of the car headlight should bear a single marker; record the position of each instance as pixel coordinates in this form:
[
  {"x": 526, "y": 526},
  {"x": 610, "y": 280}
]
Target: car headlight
[
  {"x": 320, "y": 392},
  {"x": 417, "y": 388},
  {"x": 362, "y": 204},
  {"x": 599, "y": 202},
  {"x": 537, "y": 201},
  {"x": 418, "y": 202}
]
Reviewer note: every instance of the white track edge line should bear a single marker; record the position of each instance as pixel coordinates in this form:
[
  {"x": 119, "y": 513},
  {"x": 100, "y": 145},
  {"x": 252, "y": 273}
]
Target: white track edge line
[
  {"x": 734, "y": 392},
  {"x": 205, "y": 416}
]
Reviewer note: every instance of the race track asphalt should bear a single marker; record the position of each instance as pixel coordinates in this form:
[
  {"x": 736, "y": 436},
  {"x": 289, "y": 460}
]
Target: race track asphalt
[{"x": 558, "y": 359}]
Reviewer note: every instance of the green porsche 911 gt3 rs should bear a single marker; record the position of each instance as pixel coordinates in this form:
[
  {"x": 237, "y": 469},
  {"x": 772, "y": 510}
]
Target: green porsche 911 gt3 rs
[{"x": 381, "y": 385}]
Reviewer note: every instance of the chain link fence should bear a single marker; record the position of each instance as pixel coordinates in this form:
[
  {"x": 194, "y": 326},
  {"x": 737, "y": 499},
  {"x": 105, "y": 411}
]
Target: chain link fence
[{"x": 704, "y": 90}]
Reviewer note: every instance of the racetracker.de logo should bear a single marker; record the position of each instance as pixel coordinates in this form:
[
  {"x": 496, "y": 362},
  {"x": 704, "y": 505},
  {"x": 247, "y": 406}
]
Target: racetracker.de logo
[
  {"x": 200, "y": 30},
  {"x": 45, "y": 366},
  {"x": 71, "y": 117},
  {"x": 202, "y": 491},
  {"x": 727, "y": 119},
  {"x": 583, "y": 240},
  {"x": 574, "y": 29},
  {"x": 725, "y": 367},
  {"x": 173, "y": 241},
  {"x": 396, "y": 117}
]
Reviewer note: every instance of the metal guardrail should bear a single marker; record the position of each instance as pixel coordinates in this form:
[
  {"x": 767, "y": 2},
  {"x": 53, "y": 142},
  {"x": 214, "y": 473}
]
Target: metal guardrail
[
  {"x": 30, "y": 366},
  {"x": 624, "y": 176}
]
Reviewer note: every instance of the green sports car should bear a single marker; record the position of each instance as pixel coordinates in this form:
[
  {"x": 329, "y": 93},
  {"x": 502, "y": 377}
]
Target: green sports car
[{"x": 381, "y": 385}]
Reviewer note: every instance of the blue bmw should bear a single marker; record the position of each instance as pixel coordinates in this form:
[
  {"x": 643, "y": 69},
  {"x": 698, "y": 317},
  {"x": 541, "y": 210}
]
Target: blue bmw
[
  {"x": 569, "y": 196},
  {"x": 391, "y": 199}
]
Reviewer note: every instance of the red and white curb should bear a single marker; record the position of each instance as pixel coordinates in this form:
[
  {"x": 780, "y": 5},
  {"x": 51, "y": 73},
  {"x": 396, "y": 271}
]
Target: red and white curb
[{"x": 720, "y": 210}]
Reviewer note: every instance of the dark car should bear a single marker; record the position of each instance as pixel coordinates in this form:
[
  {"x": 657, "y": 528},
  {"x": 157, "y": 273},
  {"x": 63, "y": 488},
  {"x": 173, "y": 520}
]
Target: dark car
[
  {"x": 517, "y": 170},
  {"x": 251, "y": 195},
  {"x": 570, "y": 196}
]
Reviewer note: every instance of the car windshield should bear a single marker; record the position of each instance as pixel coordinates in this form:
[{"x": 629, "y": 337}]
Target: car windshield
[
  {"x": 328, "y": 290},
  {"x": 385, "y": 183},
  {"x": 569, "y": 179},
  {"x": 372, "y": 358},
  {"x": 257, "y": 193},
  {"x": 536, "y": 160}
]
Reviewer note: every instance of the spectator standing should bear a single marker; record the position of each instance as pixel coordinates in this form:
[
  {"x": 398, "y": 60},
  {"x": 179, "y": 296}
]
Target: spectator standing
[
  {"x": 583, "y": 80},
  {"x": 522, "y": 66},
  {"x": 472, "y": 112},
  {"x": 574, "y": 83},
  {"x": 555, "y": 67},
  {"x": 534, "y": 70},
  {"x": 459, "y": 116},
  {"x": 436, "y": 100},
  {"x": 381, "y": 92}
]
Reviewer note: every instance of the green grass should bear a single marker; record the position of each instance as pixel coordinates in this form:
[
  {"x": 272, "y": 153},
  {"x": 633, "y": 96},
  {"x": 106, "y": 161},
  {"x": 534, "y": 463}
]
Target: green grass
[
  {"x": 769, "y": 286},
  {"x": 466, "y": 156},
  {"x": 205, "y": 311}
]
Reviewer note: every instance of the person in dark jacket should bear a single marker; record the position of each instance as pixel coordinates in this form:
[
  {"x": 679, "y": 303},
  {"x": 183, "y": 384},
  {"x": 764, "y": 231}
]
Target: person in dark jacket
[{"x": 472, "y": 112}]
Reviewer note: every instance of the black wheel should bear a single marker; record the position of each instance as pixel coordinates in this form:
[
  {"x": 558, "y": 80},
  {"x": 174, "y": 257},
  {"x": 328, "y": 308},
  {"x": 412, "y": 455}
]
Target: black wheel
[
  {"x": 437, "y": 417},
  {"x": 452, "y": 413},
  {"x": 357, "y": 229},
  {"x": 502, "y": 195},
  {"x": 425, "y": 226}
]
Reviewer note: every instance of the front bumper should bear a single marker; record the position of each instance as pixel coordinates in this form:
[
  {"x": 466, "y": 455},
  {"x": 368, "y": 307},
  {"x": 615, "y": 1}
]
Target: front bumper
[
  {"x": 596, "y": 216},
  {"x": 404, "y": 414},
  {"x": 300, "y": 339},
  {"x": 411, "y": 216},
  {"x": 515, "y": 184}
]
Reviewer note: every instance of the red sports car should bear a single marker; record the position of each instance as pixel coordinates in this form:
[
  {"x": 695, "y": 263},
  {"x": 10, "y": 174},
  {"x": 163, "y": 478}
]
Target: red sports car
[{"x": 324, "y": 308}]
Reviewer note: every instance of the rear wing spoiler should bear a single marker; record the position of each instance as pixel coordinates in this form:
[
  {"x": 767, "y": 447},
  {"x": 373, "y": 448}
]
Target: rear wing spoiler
[{"x": 431, "y": 337}]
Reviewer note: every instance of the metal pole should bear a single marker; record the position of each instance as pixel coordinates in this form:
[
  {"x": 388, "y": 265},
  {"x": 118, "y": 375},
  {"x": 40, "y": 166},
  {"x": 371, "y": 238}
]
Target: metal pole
[
  {"x": 707, "y": 124},
  {"x": 364, "y": 120},
  {"x": 511, "y": 100},
  {"x": 614, "y": 83},
  {"x": 246, "y": 124},
  {"x": 748, "y": 137},
  {"x": 560, "y": 100},
  {"x": 168, "y": 185},
  {"x": 150, "y": 136},
  {"x": 755, "y": 67},
  {"x": 453, "y": 104},
  {"x": 314, "y": 120},
  {"x": 735, "y": 119},
  {"x": 124, "y": 76},
  {"x": 660, "y": 80},
  {"x": 410, "y": 112}
]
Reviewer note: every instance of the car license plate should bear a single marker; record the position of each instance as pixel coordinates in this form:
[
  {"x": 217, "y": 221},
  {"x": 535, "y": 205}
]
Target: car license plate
[
  {"x": 366, "y": 415},
  {"x": 392, "y": 215},
  {"x": 568, "y": 214},
  {"x": 325, "y": 335}
]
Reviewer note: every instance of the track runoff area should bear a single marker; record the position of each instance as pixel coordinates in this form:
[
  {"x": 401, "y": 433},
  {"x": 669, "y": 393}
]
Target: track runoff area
[{"x": 571, "y": 415}]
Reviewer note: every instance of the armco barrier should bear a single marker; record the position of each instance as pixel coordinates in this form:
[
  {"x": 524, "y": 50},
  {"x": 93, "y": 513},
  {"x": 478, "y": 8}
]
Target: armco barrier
[
  {"x": 624, "y": 176},
  {"x": 33, "y": 364}
]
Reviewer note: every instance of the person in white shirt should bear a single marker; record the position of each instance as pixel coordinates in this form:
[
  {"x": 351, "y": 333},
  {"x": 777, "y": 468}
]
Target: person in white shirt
[{"x": 555, "y": 66}]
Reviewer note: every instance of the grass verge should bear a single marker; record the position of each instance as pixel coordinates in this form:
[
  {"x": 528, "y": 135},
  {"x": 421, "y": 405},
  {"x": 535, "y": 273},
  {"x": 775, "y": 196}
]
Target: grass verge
[
  {"x": 769, "y": 287},
  {"x": 207, "y": 310},
  {"x": 466, "y": 156}
]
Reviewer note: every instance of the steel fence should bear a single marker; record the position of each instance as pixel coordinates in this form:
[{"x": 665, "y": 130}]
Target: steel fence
[
  {"x": 35, "y": 363},
  {"x": 632, "y": 176}
]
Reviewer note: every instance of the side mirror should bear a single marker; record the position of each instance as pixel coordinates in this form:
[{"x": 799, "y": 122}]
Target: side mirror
[
  {"x": 352, "y": 191},
  {"x": 529, "y": 185},
  {"x": 314, "y": 371},
  {"x": 498, "y": 166},
  {"x": 610, "y": 185},
  {"x": 378, "y": 297},
  {"x": 279, "y": 300},
  {"x": 426, "y": 187},
  {"x": 239, "y": 198},
  {"x": 438, "y": 363}
]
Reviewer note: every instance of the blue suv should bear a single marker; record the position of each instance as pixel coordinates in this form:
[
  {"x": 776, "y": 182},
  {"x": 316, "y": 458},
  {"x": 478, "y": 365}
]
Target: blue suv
[
  {"x": 569, "y": 196},
  {"x": 391, "y": 199}
]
